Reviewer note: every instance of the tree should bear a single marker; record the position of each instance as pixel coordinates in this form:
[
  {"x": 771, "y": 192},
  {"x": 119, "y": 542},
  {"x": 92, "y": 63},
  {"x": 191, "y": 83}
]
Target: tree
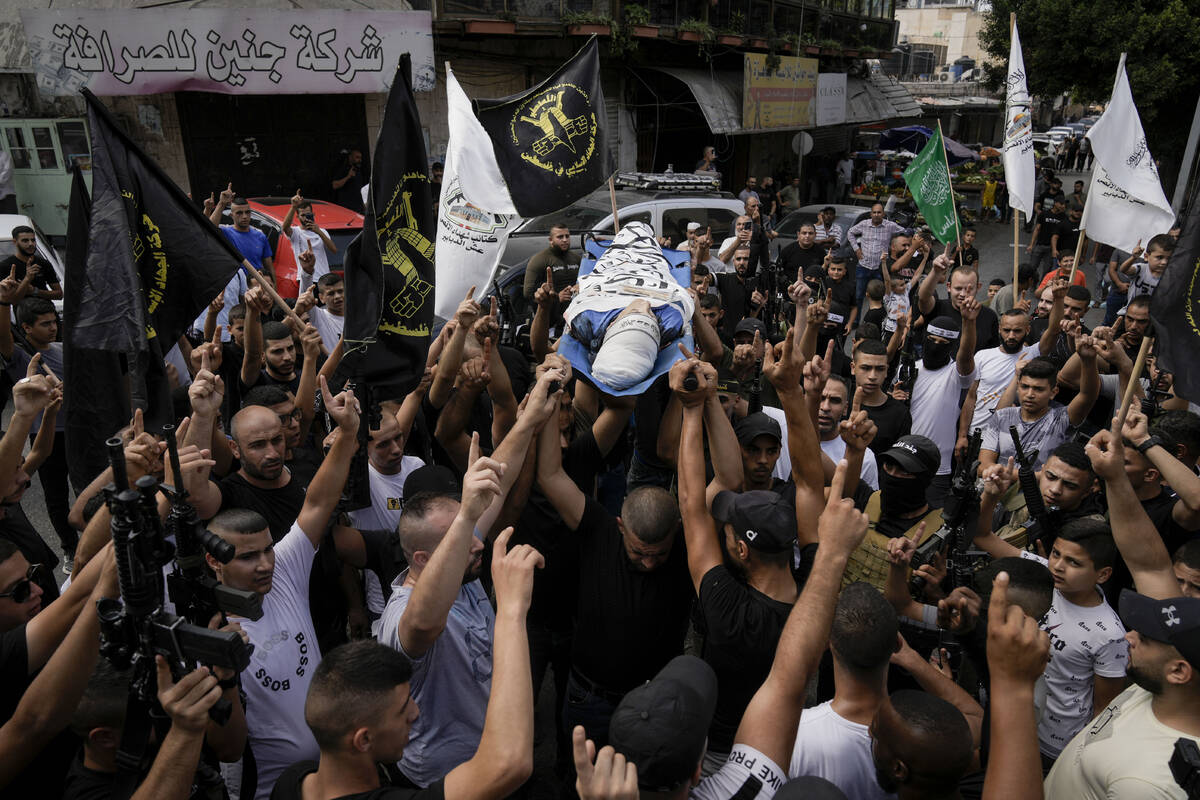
[{"x": 1073, "y": 46}]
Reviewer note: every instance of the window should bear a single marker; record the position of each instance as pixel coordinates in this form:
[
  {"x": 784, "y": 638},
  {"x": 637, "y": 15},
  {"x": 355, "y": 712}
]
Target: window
[
  {"x": 675, "y": 222},
  {"x": 46, "y": 152},
  {"x": 17, "y": 149},
  {"x": 73, "y": 138},
  {"x": 626, "y": 218}
]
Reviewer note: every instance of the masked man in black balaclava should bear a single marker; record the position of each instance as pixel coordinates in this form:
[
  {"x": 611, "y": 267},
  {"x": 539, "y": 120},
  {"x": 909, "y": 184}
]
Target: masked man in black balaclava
[{"x": 905, "y": 471}]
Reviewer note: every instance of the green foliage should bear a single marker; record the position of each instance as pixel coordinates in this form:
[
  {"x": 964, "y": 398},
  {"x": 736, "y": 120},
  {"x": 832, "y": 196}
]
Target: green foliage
[
  {"x": 736, "y": 25},
  {"x": 1073, "y": 46},
  {"x": 585, "y": 18},
  {"x": 699, "y": 26},
  {"x": 636, "y": 14}
]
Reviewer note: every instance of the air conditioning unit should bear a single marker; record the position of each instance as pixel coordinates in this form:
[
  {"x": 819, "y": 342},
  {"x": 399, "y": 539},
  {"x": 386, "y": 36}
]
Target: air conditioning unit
[{"x": 944, "y": 77}]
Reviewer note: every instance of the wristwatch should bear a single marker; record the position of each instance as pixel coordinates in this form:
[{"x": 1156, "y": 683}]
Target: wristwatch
[{"x": 1153, "y": 441}]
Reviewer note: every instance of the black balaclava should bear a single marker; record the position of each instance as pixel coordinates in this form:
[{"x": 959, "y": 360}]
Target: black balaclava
[{"x": 938, "y": 354}]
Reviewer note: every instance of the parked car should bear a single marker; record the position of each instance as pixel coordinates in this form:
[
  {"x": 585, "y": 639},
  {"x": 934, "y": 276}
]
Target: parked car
[
  {"x": 667, "y": 202},
  {"x": 8, "y": 247},
  {"x": 847, "y": 216},
  {"x": 1059, "y": 133},
  {"x": 267, "y": 213}
]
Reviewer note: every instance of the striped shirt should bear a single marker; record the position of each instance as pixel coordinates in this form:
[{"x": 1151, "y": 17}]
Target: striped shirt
[{"x": 872, "y": 240}]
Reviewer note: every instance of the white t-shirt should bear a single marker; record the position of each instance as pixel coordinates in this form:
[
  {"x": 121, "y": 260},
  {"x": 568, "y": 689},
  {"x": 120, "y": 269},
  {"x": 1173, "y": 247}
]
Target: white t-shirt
[
  {"x": 1123, "y": 754},
  {"x": 1084, "y": 641},
  {"x": 995, "y": 368},
  {"x": 451, "y": 682},
  {"x": 387, "y": 503},
  {"x": 836, "y": 450},
  {"x": 300, "y": 240},
  {"x": 328, "y": 325},
  {"x": 1141, "y": 282},
  {"x": 935, "y": 407},
  {"x": 282, "y": 664},
  {"x": 897, "y": 305},
  {"x": 747, "y": 775},
  {"x": 834, "y": 748}
]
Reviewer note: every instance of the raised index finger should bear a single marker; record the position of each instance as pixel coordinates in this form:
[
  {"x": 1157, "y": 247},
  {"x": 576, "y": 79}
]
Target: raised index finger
[
  {"x": 998, "y": 605},
  {"x": 34, "y": 364},
  {"x": 470, "y": 293},
  {"x": 838, "y": 484},
  {"x": 205, "y": 361},
  {"x": 473, "y": 451},
  {"x": 139, "y": 425},
  {"x": 857, "y": 406}
]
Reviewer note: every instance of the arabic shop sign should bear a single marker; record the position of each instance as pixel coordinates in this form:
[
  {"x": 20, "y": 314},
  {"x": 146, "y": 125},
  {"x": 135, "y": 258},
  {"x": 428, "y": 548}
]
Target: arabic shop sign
[
  {"x": 230, "y": 51},
  {"x": 781, "y": 97}
]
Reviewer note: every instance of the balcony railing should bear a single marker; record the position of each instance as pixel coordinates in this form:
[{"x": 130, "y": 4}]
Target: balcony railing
[{"x": 866, "y": 24}]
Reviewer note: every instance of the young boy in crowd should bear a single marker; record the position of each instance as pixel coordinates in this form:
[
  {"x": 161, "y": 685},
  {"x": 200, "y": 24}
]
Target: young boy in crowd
[
  {"x": 969, "y": 255},
  {"x": 1147, "y": 272},
  {"x": 994, "y": 286},
  {"x": 839, "y": 287},
  {"x": 897, "y": 300},
  {"x": 1065, "y": 260},
  {"x": 876, "y": 312},
  {"x": 1088, "y": 651}
]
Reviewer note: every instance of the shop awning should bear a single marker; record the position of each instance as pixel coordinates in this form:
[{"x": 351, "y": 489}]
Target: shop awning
[{"x": 719, "y": 95}]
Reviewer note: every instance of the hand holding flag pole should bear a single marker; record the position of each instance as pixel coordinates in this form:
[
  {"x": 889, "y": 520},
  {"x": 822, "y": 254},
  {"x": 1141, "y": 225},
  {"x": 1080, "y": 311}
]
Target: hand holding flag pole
[
  {"x": 1138, "y": 364},
  {"x": 270, "y": 290},
  {"x": 950, "y": 183}
]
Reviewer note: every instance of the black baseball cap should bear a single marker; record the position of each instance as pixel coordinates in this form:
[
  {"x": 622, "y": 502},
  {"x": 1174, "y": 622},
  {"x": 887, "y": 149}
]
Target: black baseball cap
[
  {"x": 1175, "y": 621},
  {"x": 751, "y": 325},
  {"x": 662, "y": 726},
  {"x": 764, "y": 519},
  {"x": 431, "y": 479},
  {"x": 751, "y": 426},
  {"x": 915, "y": 453}
]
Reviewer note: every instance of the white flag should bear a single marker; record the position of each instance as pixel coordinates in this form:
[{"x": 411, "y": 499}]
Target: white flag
[
  {"x": 1018, "y": 132},
  {"x": 1126, "y": 202},
  {"x": 475, "y": 214}
]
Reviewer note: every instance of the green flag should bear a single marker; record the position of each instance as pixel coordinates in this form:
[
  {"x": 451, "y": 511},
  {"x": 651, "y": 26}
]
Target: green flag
[{"x": 928, "y": 179}]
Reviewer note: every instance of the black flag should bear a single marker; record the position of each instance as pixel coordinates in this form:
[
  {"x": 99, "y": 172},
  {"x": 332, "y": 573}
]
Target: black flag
[
  {"x": 389, "y": 267},
  {"x": 1175, "y": 308},
  {"x": 154, "y": 260},
  {"x": 551, "y": 142},
  {"x": 91, "y": 415}
]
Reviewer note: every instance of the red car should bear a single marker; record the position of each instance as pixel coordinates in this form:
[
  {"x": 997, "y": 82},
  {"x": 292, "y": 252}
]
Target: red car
[{"x": 267, "y": 213}]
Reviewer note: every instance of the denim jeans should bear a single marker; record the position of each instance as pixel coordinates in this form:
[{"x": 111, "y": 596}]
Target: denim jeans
[
  {"x": 863, "y": 276},
  {"x": 1113, "y": 304},
  {"x": 587, "y": 708}
]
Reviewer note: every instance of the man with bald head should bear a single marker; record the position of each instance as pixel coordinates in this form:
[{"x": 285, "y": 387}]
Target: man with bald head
[{"x": 278, "y": 567}]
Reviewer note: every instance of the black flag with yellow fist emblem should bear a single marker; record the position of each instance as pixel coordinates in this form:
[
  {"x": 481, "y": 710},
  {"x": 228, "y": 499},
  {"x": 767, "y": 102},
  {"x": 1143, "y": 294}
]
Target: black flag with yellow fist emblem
[
  {"x": 551, "y": 142},
  {"x": 389, "y": 267}
]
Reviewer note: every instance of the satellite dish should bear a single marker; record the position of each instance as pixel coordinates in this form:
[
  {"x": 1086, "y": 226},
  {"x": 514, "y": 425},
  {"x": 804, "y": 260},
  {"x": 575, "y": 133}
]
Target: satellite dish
[{"x": 802, "y": 143}]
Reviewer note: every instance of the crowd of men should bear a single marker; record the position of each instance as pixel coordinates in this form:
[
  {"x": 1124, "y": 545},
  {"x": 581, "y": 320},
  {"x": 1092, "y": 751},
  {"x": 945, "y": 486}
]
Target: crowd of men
[{"x": 877, "y": 534}]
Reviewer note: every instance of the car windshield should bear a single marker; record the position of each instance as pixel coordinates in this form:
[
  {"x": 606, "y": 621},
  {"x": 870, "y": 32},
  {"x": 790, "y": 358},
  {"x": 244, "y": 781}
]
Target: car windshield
[
  {"x": 582, "y": 216},
  {"x": 341, "y": 240},
  {"x": 792, "y": 222}
]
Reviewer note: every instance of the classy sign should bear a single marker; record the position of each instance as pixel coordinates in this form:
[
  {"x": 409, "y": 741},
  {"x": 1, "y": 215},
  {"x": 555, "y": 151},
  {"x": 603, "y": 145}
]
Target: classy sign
[{"x": 132, "y": 51}]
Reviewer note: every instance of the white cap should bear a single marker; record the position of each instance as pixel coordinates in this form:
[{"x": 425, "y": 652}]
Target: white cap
[
  {"x": 628, "y": 352},
  {"x": 693, "y": 226}
]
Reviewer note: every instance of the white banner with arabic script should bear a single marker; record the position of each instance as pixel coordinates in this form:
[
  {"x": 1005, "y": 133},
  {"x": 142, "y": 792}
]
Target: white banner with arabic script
[{"x": 122, "y": 52}]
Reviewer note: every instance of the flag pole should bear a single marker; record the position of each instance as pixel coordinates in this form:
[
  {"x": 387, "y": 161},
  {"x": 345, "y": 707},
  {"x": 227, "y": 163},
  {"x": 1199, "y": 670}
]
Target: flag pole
[
  {"x": 1078, "y": 251},
  {"x": 612, "y": 198},
  {"x": 950, "y": 183},
  {"x": 270, "y": 290},
  {"x": 1016, "y": 252},
  {"x": 1133, "y": 380},
  {"x": 1012, "y": 26}
]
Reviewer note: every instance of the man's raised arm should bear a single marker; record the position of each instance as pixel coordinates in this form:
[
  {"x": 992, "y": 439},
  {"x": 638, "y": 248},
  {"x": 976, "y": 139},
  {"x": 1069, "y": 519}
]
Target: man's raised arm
[
  {"x": 770, "y": 722},
  {"x": 703, "y": 548},
  {"x": 325, "y": 490}
]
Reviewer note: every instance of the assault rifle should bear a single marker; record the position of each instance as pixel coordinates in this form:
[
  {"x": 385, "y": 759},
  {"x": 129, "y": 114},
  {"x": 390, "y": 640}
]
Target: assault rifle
[
  {"x": 1042, "y": 522},
  {"x": 958, "y": 521}
]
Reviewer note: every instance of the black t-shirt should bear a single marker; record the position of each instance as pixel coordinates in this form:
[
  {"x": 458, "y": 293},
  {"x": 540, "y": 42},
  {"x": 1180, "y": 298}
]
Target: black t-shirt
[
  {"x": 287, "y": 787},
  {"x": 874, "y": 316},
  {"x": 1068, "y": 235},
  {"x": 14, "y": 670},
  {"x": 231, "y": 372},
  {"x": 1160, "y": 510},
  {"x": 841, "y": 291},
  {"x": 45, "y": 275},
  {"x": 987, "y": 324},
  {"x": 893, "y": 527},
  {"x": 265, "y": 379},
  {"x": 384, "y": 557},
  {"x": 969, "y": 256},
  {"x": 892, "y": 420},
  {"x": 1049, "y": 226},
  {"x": 796, "y": 260},
  {"x": 350, "y": 195},
  {"x": 87, "y": 784},
  {"x": 279, "y": 506},
  {"x": 554, "y": 586},
  {"x": 742, "y": 627},
  {"x": 735, "y": 298},
  {"x": 647, "y": 414},
  {"x": 630, "y": 623}
]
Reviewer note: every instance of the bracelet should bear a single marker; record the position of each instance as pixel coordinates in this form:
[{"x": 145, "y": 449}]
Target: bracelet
[{"x": 1153, "y": 441}]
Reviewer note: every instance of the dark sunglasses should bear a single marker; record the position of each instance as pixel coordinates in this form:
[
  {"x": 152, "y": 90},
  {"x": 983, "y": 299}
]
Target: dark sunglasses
[
  {"x": 24, "y": 587},
  {"x": 744, "y": 225}
]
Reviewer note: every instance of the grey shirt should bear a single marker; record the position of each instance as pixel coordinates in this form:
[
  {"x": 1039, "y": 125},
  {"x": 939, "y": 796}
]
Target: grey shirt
[{"x": 1042, "y": 435}]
